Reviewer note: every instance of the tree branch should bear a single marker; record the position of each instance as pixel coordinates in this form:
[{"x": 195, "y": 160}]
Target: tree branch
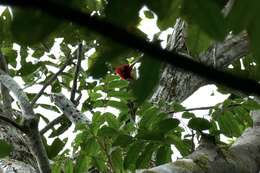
[
  {"x": 7, "y": 100},
  {"x": 30, "y": 123},
  {"x": 27, "y": 111},
  {"x": 126, "y": 38},
  {"x": 11, "y": 122},
  {"x": 51, "y": 80},
  {"x": 76, "y": 74},
  {"x": 69, "y": 109}
]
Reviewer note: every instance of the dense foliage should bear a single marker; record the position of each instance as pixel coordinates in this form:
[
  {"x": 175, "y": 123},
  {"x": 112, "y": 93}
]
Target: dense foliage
[{"x": 139, "y": 134}]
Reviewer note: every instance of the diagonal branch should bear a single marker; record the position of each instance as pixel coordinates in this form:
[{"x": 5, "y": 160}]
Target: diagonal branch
[
  {"x": 51, "y": 80},
  {"x": 126, "y": 38},
  {"x": 11, "y": 122},
  {"x": 8, "y": 82},
  {"x": 7, "y": 100},
  {"x": 76, "y": 74}
]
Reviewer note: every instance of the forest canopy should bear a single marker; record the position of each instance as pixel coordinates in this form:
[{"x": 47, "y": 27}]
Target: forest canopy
[{"x": 74, "y": 59}]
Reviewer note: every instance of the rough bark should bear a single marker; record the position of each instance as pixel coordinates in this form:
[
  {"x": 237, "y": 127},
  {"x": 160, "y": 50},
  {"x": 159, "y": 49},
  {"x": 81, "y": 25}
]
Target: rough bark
[{"x": 177, "y": 85}]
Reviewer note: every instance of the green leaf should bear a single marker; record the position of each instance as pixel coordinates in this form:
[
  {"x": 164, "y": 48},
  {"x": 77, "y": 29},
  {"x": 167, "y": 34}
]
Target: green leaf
[
  {"x": 82, "y": 163},
  {"x": 118, "y": 105},
  {"x": 251, "y": 105},
  {"x": 6, "y": 149},
  {"x": 150, "y": 135},
  {"x": 30, "y": 26},
  {"x": 145, "y": 157},
  {"x": 124, "y": 14},
  {"x": 56, "y": 168},
  {"x": 242, "y": 14},
  {"x": 197, "y": 41},
  {"x": 254, "y": 35},
  {"x": 163, "y": 155},
  {"x": 117, "y": 84},
  {"x": 123, "y": 140},
  {"x": 149, "y": 78},
  {"x": 56, "y": 146},
  {"x": 188, "y": 115},
  {"x": 91, "y": 146},
  {"x": 199, "y": 124},
  {"x": 148, "y": 118},
  {"x": 28, "y": 68},
  {"x": 132, "y": 155},
  {"x": 111, "y": 120},
  {"x": 149, "y": 14},
  {"x": 107, "y": 132},
  {"x": 117, "y": 159},
  {"x": 38, "y": 53},
  {"x": 207, "y": 15},
  {"x": 228, "y": 125},
  {"x": 182, "y": 147},
  {"x": 56, "y": 87},
  {"x": 166, "y": 125},
  {"x": 120, "y": 94},
  {"x": 68, "y": 167},
  {"x": 10, "y": 55}
]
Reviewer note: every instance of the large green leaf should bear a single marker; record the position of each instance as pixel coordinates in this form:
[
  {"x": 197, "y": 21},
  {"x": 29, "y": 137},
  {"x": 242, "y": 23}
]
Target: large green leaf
[
  {"x": 68, "y": 167},
  {"x": 5, "y": 149},
  {"x": 145, "y": 157},
  {"x": 228, "y": 125},
  {"x": 30, "y": 26},
  {"x": 117, "y": 159},
  {"x": 10, "y": 55},
  {"x": 91, "y": 146},
  {"x": 123, "y": 140},
  {"x": 149, "y": 78},
  {"x": 199, "y": 124},
  {"x": 242, "y": 14},
  {"x": 197, "y": 41},
  {"x": 166, "y": 125},
  {"x": 125, "y": 14},
  {"x": 207, "y": 15},
  {"x": 118, "y": 105},
  {"x": 28, "y": 68},
  {"x": 56, "y": 146},
  {"x": 148, "y": 118},
  {"x": 163, "y": 155},
  {"x": 254, "y": 36},
  {"x": 82, "y": 163},
  {"x": 132, "y": 155}
]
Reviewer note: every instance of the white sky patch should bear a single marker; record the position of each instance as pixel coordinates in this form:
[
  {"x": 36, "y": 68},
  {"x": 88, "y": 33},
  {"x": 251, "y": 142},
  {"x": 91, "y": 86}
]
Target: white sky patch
[
  {"x": 2, "y": 9},
  {"x": 148, "y": 26}
]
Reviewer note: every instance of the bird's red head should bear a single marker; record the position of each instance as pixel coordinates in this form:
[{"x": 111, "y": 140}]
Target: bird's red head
[{"x": 124, "y": 71}]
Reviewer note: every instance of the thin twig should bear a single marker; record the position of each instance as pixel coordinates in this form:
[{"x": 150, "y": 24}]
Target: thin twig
[
  {"x": 50, "y": 81},
  {"x": 192, "y": 109},
  {"x": 200, "y": 108},
  {"x": 76, "y": 74}
]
